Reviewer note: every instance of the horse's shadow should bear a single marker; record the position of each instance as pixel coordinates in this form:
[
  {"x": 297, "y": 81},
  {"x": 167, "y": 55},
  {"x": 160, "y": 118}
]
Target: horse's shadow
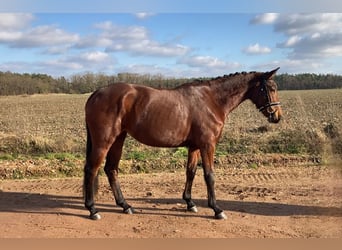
[
  {"x": 23, "y": 202},
  {"x": 257, "y": 208}
]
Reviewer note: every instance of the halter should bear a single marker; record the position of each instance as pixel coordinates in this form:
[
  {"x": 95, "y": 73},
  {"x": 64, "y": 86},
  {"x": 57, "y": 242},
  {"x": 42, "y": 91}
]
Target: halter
[{"x": 267, "y": 95}]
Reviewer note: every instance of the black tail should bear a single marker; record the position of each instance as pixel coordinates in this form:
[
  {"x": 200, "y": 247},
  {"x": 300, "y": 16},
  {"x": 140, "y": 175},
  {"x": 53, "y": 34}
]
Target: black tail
[
  {"x": 88, "y": 163},
  {"x": 89, "y": 144}
]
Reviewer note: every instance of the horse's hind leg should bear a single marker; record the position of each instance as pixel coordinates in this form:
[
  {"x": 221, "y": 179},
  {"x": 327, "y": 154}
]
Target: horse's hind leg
[
  {"x": 191, "y": 168},
  {"x": 91, "y": 169},
  {"x": 112, "y": 168}
]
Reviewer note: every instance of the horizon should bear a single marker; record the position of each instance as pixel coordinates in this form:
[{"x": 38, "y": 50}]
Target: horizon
[{"x": 162, "y": 77}]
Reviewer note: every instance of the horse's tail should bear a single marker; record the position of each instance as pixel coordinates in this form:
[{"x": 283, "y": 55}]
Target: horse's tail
[{"x": 89, "y": 147}]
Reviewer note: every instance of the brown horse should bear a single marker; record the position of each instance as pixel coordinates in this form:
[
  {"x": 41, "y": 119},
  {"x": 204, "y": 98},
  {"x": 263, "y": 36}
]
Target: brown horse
[{"x": 191, "y": 115}]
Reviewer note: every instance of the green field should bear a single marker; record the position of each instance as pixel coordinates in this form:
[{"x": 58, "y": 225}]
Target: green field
[{"x": 50, "y": 128}]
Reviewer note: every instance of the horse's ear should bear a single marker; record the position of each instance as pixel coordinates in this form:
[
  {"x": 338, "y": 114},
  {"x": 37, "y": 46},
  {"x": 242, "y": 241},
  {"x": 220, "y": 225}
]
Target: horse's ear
[{"x": 269, "y": 75}]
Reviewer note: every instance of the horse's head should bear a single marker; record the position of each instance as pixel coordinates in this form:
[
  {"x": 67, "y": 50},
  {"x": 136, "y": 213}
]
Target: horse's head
[{"x": 265, "y": 96}]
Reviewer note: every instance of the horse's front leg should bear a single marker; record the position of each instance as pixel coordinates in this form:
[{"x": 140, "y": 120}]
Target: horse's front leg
[
  {"x": 191, "y": 168},
  {"x": 207, "y": 154}
]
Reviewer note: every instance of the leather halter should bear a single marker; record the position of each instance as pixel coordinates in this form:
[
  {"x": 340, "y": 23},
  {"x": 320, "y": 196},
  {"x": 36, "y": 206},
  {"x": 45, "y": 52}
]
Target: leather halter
[{"x": 267, "y": 95}]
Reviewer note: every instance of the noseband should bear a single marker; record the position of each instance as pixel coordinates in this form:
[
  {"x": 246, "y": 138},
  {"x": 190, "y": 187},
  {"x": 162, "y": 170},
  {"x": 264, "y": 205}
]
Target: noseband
[{"x": 267, "y": 95}]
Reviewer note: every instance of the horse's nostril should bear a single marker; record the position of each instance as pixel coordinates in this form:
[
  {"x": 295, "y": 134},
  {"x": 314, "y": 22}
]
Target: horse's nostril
[{"x": 276, "y": 118}]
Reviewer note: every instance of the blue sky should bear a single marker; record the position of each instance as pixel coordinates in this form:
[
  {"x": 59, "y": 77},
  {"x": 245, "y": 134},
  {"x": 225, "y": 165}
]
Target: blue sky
[{"x": 179, "y": 43}]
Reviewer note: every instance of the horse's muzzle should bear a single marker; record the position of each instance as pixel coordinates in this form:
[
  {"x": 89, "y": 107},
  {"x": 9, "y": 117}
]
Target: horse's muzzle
[{"x": 274, "y": 117}]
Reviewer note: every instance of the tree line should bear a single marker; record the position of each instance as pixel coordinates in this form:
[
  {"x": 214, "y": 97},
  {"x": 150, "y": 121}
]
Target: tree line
[{"x": 27, "y": 84}]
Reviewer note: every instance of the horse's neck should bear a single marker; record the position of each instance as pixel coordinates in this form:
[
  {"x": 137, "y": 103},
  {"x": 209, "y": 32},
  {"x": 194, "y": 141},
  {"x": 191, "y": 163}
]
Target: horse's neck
[{"x": 232, "y": 92}]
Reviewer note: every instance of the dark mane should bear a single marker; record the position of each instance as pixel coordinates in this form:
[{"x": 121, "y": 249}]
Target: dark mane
[
  {"x": 219, "y": 79},
  {"x": 231, "y": 76}
]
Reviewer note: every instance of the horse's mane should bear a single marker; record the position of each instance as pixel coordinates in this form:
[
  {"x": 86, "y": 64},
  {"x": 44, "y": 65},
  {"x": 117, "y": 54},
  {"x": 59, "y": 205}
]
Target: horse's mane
[{"x": 219, "y": 79}]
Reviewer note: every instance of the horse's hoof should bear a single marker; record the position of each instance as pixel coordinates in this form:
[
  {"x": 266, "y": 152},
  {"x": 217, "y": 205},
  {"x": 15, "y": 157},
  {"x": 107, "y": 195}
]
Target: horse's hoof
[
  {"x": 129, "y": 211},
  {"x": 95, "y": 216},
  {"x": 193, "y": 209},
  {"x": 221, "y": 216}
]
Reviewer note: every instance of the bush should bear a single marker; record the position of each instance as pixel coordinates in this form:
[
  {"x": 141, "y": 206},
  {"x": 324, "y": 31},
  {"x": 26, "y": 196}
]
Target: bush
[
  {"x": 294, "y": 142},
  {"x": 332, "y": 132}
]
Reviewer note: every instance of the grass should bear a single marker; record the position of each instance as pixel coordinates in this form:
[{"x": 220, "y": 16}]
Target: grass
[{"x": 51, "y": 128}]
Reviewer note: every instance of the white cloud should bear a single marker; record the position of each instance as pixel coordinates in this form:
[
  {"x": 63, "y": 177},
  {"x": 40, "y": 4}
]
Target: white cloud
[
  {"x": 325, "y": 46},
  {"x": 93, "y": 41},
  {"x": 94, "y": 61},
  {"x": 56, "y": 50},
  {"x": 135, "y": 40},
  {"x": 16, "y": 31},
  {"x": 90, "y": 59},
  {"x": 143, "y": 15},
  {"x": 95, "y": 56},
  {"x": 291, "y": 41},
  {"x": 117, "y": 32},
  {"x": 17, "y": 66},
  {"x": 266, "y": 18},
  {"x": 309, "y": 36},
  {"x": 149, "y": 48},
  {"x": 10, "y": 36},
  {"x": 175, "y": 71},
  {"x": 37, "y": 37},
  {"x": 70, "y": 52},
  {"x": 62, "y": 65},
  {"x": 296, "y": 24},
  {"x": 294, "y": 66},
  {"x": 151, "y": 69},
  {"x": 192, "y": 66},
  {"x": 256, "y": 49},
  {"x": 208, "y": 62},
  {"x": 15, "y": 21},
  {"x": 207, "y": 66}
]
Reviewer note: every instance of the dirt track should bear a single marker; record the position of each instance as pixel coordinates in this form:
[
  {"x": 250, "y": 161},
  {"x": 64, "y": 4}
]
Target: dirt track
[{"x": 264, "y": 202}]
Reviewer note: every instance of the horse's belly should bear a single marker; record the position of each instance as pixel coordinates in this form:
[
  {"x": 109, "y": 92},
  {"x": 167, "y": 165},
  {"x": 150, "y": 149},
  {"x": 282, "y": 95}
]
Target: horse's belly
[
  {"x": 160, "y": 131},
  {"x": 159, "y": 136},
  {"x": 162, "y": 121}
]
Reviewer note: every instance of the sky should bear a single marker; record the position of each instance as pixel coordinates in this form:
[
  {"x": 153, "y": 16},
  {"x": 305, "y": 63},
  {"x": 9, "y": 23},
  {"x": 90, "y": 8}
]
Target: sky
[{"x": 201, "y": 42}]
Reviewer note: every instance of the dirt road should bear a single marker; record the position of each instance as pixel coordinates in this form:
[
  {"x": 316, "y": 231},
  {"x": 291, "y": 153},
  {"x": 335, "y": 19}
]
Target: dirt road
[{"x": 265, "y": 202}]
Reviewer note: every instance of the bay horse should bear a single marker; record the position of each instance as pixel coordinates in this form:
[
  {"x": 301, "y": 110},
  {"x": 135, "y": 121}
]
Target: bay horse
[{"x": 191, "y": 115}]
